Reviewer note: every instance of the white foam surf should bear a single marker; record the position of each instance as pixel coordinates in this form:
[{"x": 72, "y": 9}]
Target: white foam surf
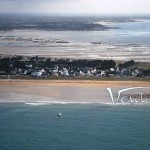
[
  {"x": 39, "y": 103},
  {"x": 55, "y": 102}
]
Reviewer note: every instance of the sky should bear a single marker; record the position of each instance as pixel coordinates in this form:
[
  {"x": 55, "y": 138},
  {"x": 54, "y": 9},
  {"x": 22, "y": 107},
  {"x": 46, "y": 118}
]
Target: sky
[{"x": 76, "y": 6}]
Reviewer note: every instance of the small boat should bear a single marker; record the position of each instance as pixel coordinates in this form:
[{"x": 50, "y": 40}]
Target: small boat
[{"x": 59, "y": 114}]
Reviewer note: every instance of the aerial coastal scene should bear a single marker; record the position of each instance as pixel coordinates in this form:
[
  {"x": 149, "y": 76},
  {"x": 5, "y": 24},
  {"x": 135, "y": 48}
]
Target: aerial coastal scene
[{"x": 74, "y": 75}]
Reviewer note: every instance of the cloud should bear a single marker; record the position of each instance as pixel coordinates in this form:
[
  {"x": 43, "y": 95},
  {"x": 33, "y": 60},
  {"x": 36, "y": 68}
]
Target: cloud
[
  {"x": 76, "y": 6},
  {"x": 35, "y": 1}
]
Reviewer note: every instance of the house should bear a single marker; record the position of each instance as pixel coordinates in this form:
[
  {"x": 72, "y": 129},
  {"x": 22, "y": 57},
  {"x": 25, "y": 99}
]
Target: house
[
  {"x": 60, "y": 73},
  {"x": 135, "y": 73},
  {"x": 126, "y": 72},
  {"x": 71, "y": 72},
  {"x": 79, "y": 73},
  {"x": 13, "y": 72},
  {"x": 28, "y": 66},
  {"x": 93, "y": 71},
  {"x": 98, "y": 75},
  {"x": 111, "y": 75},
  {"x": 88, "y": 73},
  {"x": 53, "y": 71},
  {"x": 44, "y": 75},
  {"x": 103, "y": 73},
  {"x": 55, "y": 74},
  {"x": 38, "y": 73},
  {"x": 65, "y": 74},
  {"x": 2, "y": 72},
  {"x": 25, "y": 72},
  {"x": 112, "y": 69}
]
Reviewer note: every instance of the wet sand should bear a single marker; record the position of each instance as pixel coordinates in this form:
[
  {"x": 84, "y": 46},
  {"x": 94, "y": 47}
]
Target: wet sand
[
  {"x": 61, "y": 91},
  {"x": 80, "y": 52}
]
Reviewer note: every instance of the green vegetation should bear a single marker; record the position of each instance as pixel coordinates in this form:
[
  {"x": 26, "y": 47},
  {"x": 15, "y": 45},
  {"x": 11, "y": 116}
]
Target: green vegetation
[{"x": 24, "y": 67}]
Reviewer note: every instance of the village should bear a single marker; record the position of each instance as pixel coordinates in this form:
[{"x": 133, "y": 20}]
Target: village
[{"x": 41, "y": 67}]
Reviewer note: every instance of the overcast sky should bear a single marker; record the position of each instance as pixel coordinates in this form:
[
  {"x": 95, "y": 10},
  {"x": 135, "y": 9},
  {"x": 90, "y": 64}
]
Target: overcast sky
[{"x": 76, "y": 6}]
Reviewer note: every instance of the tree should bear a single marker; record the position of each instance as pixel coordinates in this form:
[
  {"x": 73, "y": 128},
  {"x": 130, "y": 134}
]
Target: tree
[
  {"x": 107, "y": 64},
  {"x": 128, "y": 64}
]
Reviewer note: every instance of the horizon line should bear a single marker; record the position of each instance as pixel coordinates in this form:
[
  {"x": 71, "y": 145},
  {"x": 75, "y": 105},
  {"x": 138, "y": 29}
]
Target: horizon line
[{"x": 75, "y": 14}]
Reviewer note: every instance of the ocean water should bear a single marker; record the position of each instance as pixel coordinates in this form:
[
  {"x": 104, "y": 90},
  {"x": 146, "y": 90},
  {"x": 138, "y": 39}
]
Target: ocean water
[
  {"x": 108, "y": 29},
  {"x": 81, "y": 127},
  {"x": 121, "y": 38},
  {"x": 118, "y": 38}
]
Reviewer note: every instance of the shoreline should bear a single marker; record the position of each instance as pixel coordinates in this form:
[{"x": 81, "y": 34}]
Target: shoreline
[
  {"x": 43, "y": 92},
  {"x": 50, "y": 103},
  {"x": 24, "y": 44},
  {"x": 72, "y": 83}
]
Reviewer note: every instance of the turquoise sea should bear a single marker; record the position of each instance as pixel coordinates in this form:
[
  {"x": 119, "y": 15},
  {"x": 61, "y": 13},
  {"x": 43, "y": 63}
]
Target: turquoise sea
[{"x": 81, "y": 127}]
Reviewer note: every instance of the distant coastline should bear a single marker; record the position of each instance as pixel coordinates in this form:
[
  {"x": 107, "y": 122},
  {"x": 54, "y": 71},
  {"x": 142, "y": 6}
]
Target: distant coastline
[{"x": 84, "y": 37}]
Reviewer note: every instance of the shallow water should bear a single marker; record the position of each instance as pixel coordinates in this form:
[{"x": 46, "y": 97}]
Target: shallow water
[
  {"x": 80, "y": 127},
  {"x": 115, "y": 42}
]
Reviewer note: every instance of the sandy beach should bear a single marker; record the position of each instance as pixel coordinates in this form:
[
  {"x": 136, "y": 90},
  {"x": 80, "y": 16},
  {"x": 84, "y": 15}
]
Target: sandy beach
[
  {"x": 61, "y": 91},
  {"x": 72, "y": 83}
]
